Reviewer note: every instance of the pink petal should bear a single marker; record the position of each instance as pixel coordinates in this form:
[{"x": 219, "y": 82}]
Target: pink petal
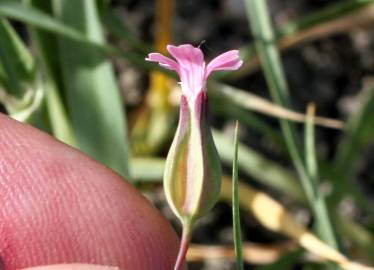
[
  {"x": 187, "y": 55},
  {"x": 191, "y": 67},
  {"x": 163, "y": 61},
  {"x": 227, "y": 61}
]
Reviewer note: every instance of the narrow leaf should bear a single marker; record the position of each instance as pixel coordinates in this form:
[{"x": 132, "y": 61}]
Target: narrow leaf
[
  {"x": 323, "y": 225},
  {"x": 17, "y": 65},
  {"x": 49, "y": 65},
  {"x": 92, "y": 95},
  {"x": 235, "y": 205}
]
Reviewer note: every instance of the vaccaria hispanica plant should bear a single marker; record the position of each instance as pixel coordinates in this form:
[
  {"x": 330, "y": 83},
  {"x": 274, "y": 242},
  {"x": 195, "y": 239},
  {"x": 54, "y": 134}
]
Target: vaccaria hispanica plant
[{"x": 192, "y": 177}]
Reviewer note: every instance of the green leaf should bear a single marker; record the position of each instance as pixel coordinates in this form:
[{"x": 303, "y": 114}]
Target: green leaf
[
  {"x": 42, "y": 20},
  {"x": 235, "y": 205},
  {"x": 20, "y": 90},
  {"x": 16, "y": 64},
  {"x": 37, "y": 18},
  {"x": 93, "y": 98},
  {"x": 49, "y": 65}
]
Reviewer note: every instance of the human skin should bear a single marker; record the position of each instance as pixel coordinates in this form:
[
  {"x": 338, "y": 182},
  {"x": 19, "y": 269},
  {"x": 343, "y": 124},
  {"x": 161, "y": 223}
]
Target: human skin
[{"x": 58, "y": 206}]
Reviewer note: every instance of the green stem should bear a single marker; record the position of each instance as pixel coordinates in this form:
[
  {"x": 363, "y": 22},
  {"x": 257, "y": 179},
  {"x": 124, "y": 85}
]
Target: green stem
[{"x": 183, "y": 248}]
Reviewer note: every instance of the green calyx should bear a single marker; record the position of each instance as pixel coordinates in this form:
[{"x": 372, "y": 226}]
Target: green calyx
[{"x": 192, "y": 177}]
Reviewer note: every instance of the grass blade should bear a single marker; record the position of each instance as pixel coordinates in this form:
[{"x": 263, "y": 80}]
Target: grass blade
[
  {"x": 253, "y": 253},
  {"x": 42, "y": 20},
  {"x": 260, "y": 168},
  {"x": 223, "y": 107},
  {"x": 324, "y": 226},
  {"x": 265, "y": 43},
  {"x": 91, "y": 92},
  {"x": 235, "y": 204},
  {"x": 37, "y": 18},
  {"x": 49, "y": 65},
  {"x": 17, "y": 65},
  {"x": 20, "y": 89},
  {"x": 256, "y": 103}
]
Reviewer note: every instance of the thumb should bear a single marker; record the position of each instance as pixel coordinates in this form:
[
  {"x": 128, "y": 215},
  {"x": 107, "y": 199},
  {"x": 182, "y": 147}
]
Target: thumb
[{"x": 59, "y": 206}]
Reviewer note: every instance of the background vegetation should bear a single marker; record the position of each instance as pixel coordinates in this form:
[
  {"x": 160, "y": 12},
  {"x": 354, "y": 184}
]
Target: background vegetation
[{"x": 304, "y": 99}]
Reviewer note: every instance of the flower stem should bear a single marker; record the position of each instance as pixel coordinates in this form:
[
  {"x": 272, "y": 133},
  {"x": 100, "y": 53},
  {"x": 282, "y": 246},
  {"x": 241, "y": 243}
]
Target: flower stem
[{"x": 183, "y": 248}]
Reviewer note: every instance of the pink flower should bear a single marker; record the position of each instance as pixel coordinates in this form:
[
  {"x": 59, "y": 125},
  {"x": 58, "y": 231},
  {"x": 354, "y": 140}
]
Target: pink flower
[
  {"x": 192, "y": 176},
  {"x": 190, "y": 65}
]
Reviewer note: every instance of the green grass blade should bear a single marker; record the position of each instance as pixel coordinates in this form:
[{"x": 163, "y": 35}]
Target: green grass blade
[
  {"x": 235, "y": 205},
  {"x": 92, "y": 95},
  {"x": 265, "y": 41},
  {"x": 310, "y": 148},
  {"x": 35, "y": 17},
  {"x": 324, "y": 226},
  {"x": 42, "y": 20},
  {"x": 49, "y": 65},
  {"x": 17, "y": 65},
  {"x": 259, "y": 167},
  {"x": 20, "y": 90}
]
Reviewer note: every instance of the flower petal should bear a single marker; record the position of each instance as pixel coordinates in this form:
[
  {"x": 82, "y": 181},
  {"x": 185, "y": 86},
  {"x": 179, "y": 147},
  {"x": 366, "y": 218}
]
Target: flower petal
[
  {"x": 227, "y": 61},
  {"x": 191, "y": 67},
  {"x": 187, "y": 54},
  {"x": 163, "y": 61}
]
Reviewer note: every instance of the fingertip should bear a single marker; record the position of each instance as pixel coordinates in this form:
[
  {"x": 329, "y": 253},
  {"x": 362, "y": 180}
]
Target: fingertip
[{"x": 60, "y": 206}]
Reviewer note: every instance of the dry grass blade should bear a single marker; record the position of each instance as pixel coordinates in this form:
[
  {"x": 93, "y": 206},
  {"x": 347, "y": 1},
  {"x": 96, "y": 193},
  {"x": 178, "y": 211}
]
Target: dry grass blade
[
  {"x": 252, "y": 252},
  {"x": 261, "y": 105},
  {"x": 361, "y": 18},
  {"x": 275, "y": 217}
]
